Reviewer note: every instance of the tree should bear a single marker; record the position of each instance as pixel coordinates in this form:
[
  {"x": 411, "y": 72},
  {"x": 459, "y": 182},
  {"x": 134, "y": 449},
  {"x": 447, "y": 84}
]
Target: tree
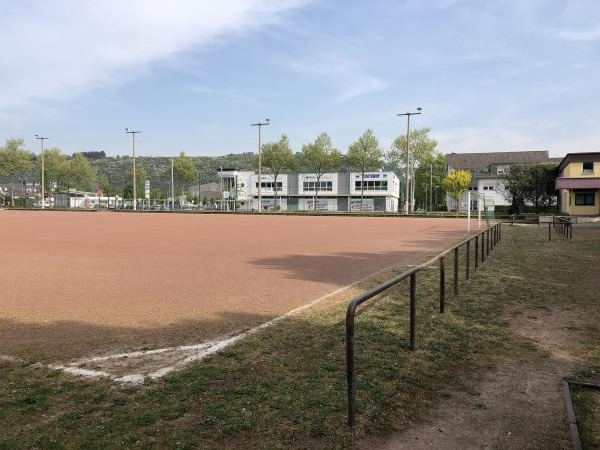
[
  {"x": 184, "y": 171},
  {"x": 363, "y": 155},
  {"x": 456, "y": 183},
  {"x": 93, "y": 155},
  {"x": 430, "y": 175},
  {"x": 276, "y": 158},
  {"x": 14, "y": 160},
  {"x": 421, "y": 150},
  {"x": 320, "y": 156},
  {"x": 533, "y": 183},
  {"x": 140, "y": 177},
  {"x": 82, "y": 175},
  {"x": 54, "y": 168}
]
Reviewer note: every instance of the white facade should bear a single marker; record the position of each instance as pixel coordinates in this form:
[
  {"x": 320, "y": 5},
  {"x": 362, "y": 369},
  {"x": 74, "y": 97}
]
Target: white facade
[
  {"x": 327, "y": 184},
  {"x": 490, "y": 191},
  {"x": 268, "y": 185},
  {"x": 488, "y": 172},
  {"x": 333, "y": 191},
  {"x": 84, "y": 200}
]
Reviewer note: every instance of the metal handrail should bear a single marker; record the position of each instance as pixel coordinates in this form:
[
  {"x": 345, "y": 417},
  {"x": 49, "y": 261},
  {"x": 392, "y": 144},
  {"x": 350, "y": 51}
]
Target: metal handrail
[
  {"x": 489, "y": 238},
  {"x": 562, "y": 226}
]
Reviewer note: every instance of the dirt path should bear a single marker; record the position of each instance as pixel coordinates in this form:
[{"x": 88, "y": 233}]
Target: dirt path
[{"x": 518, "y": 405}]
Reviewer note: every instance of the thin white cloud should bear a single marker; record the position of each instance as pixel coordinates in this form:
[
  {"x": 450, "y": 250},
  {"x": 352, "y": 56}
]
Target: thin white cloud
[
  {"x": 348, "y": 77},
  {"x": 227, "y": 93},
  {"x": 589, "y": 35},
  {"x": 62, "y": 48}
]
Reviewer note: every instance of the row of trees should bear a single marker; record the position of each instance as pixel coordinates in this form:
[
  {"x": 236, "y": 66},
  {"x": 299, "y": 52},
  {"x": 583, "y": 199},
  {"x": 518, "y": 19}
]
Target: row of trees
[
  {"x": 63, "y": 172},
  {"x": 425, "y": 164},
  {"x": 528, "y": 183},
  {"x": 319, "y": 156}
]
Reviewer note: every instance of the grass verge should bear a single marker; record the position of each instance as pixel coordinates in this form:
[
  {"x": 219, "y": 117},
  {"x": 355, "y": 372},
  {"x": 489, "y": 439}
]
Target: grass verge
[{"x": 285, "y": 387}]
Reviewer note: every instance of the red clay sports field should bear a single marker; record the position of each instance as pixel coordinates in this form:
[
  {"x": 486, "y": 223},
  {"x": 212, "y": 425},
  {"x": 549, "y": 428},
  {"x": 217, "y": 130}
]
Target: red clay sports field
[{"x": 76, "y": 284}]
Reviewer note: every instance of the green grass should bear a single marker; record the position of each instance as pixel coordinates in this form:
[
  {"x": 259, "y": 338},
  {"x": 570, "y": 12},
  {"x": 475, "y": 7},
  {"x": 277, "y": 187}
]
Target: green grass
[
  {"x": 285, "y": 388},
  {"x": 587, "y": 410}
]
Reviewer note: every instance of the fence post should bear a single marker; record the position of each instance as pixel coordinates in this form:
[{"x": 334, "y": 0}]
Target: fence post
[
  {"x": 483, "y": 247},
  {"x": 350, "y": 379},
  {"x": 570, "y": 230},
  {"x": 467, "y": 260},
  {"x": 549, "y": 232},
  {"x": 413, "y": 311},
  {"x": 442, "y": 285},
  {"x": 456, "y": 271},
  {"x": 476, "y": 252}
]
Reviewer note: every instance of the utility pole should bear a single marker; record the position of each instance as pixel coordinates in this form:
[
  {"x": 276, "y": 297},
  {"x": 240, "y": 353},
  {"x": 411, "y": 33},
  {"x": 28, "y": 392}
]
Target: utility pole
[
  {"x": 133, "y": 133},
  {"x": 407, "y": 155},
  {"x": 259, "y": 125},
  {"x": 43, "y": 187}
]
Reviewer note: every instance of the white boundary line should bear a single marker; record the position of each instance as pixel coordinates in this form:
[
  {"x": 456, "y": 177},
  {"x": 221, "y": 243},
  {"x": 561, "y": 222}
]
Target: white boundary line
[{"x": 199, "y": 351}]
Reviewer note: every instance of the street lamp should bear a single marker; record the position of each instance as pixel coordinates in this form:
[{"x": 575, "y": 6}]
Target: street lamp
[
  {"x": 408, "y": 114},
  {"x": 259, "y": 125},
  {"x": 133, "y": 133},
  {"x": 42, "y": 139}
]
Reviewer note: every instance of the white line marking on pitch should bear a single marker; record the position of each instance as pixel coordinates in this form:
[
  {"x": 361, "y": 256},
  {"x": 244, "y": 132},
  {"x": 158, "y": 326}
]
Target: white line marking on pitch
[{"x": 198, "y": 351}]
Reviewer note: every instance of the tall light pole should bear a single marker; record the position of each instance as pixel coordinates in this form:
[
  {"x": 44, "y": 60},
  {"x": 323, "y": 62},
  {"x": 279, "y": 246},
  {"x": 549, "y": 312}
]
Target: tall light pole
[
  {"x": 430, "y": 187},
  {"x": 408, "y": 114},
  {"x": 42, "y": 139},
  {"x": 172, "y": 186},
  {"x": 259, "y": 125},
  {"x": 133, "y": 133}
]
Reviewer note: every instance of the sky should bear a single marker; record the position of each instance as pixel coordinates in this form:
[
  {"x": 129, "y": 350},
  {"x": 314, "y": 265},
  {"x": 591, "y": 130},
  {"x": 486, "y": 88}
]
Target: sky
[{"x": 193, "y": 75}]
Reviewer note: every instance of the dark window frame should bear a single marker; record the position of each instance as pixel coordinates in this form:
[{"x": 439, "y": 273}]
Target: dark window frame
[{"x": 587, "y": 198}]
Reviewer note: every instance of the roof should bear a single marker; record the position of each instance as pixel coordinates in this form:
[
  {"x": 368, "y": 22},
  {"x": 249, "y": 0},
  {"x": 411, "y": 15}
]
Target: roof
[
  {"x": 578, "y": 157},
  {"x": 479, "y": 160}
]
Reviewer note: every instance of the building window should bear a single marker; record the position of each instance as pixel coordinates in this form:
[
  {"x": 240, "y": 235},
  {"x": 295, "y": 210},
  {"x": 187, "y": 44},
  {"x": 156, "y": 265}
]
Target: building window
[
  {"x": 322, "y": 185},
  {"x": 269, "y": 185},
  {"x": 588, "y": 167},
  {"x": 585, "y": 198},
  {"x": 371, "y": 185}
]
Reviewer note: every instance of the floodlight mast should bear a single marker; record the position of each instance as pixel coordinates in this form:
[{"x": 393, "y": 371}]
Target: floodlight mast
[
  {"x": 407, "y": 202},
  {"x": 133, "y": 133},
  {"x": 259, "y": 125},
  {"x": 43, "y": 189}
]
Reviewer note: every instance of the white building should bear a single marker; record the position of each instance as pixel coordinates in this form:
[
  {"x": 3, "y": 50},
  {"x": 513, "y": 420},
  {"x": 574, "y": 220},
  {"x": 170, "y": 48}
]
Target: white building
[
  {"x": 335, "y": 191},
  {"x": 85, "y": 200},
  {"x": 488, "y": 171}
]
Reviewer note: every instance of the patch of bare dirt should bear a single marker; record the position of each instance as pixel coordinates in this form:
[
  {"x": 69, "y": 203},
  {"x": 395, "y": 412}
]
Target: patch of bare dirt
[{"x": 518, "y": 405}]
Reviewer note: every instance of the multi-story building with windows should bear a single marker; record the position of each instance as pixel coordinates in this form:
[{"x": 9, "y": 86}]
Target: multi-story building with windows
[
  {"x": 334, "y": 191},
  {"x": 578, "y": 184},
  {"x": 488, "y": 172}
]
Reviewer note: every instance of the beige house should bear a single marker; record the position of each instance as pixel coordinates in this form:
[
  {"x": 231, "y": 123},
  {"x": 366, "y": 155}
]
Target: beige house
[{"x": 578, "y": 184}]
